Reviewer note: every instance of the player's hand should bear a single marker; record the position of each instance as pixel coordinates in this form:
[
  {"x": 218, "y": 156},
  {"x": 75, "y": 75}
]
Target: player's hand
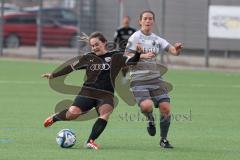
[
  {"x": 47, "y": 75},
  {"x": 178, "y": 46},
  {"x": 148, "y": 55}
]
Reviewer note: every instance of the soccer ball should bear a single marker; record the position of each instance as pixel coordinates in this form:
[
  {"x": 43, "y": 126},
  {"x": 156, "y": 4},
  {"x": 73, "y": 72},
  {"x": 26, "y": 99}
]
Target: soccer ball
[{"x": 66, "y": 138}]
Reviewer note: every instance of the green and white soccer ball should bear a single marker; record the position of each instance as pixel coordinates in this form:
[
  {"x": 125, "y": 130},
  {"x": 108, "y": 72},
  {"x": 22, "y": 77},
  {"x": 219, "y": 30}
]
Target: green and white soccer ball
[{"x": 66, "y": 138}]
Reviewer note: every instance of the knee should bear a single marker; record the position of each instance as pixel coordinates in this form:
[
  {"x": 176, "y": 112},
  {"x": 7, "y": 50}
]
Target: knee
[
  {"x": 105, "y": 114},
  {"x": 73, "y": 113},
  {"x": 165, "y": 109},
  {"x": 74, "y": 110},
  {"x": 146, "y": 106}
]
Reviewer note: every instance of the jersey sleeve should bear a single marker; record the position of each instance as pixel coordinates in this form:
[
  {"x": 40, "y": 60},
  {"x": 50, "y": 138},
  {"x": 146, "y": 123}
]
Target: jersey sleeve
[
  {"x": 76, "y": 65},
  {"x": 125, "y": 60},
  {"x": 133, "y": 59},
  {"x": 164, "y": 44},
  {"x": 132, "y": 43},
  {"x": 80, "y": 63},
  {"x": 66, "y": 70}
]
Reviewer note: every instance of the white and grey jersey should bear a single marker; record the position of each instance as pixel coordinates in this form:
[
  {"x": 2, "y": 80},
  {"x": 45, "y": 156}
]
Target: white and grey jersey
[{"x": 146, "y": 69}]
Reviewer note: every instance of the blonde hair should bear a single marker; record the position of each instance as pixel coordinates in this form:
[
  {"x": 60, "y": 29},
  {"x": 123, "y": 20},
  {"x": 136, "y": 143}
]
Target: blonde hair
[{"x": 83, "y": 37}]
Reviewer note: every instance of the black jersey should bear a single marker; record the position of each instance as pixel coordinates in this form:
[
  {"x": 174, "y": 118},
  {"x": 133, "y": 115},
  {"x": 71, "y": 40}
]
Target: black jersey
[
  {"x": 121, "y": 36},
  {"x": 101, "y": 71}
]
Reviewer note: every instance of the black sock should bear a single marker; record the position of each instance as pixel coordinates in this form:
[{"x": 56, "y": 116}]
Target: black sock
[
  {"x": 149, "y": 116},
  {"x": 164, "y": 125},
  {"x": 97, "y": 129},
  {"x": 61, "y": 116}
]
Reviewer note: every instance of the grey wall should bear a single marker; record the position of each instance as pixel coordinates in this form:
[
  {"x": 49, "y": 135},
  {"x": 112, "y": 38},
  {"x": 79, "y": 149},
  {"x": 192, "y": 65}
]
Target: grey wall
[
  {"x": 186, "y": 20},
  {"x": 107, "y": 17}
]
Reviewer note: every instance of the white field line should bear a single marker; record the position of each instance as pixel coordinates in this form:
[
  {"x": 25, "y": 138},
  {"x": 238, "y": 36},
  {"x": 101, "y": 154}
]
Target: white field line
[
  {"x": 174, "y": 85},
  {"x": 206, "y": 86},
  {"x": 22, "y": 82},
  {"x": 170, "y": 66}
]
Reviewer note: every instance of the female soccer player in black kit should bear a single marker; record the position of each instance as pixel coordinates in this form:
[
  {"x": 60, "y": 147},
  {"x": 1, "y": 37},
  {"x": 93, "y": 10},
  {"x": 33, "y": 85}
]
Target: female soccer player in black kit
[{"x": 102, "y": 67}]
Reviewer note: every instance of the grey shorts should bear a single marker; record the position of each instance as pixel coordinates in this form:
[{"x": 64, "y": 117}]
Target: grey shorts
[{"x": 157, "y": 90}]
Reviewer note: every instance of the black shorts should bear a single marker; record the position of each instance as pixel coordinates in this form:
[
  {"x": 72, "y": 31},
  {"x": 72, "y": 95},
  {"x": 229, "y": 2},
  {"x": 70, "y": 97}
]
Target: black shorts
[{"x": 90, "y": 97}]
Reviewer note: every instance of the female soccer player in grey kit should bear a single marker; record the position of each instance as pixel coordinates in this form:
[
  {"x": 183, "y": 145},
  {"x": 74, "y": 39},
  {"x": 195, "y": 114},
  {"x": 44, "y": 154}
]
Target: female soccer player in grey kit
[{"x": 146, "y": 80}]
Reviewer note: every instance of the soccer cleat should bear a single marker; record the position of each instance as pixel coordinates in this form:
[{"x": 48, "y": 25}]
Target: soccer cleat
[
  {"x": 48, "y": 122},
  {"x": 164, "y": 143},
  {"x": 151, "y": 128},
  {"x": 91, "y": 145}
]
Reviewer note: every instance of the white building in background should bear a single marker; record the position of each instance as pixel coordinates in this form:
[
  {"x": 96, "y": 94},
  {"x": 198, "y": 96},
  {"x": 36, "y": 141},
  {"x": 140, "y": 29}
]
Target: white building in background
[
  {"x": 23, "y": 3},
  {"x": 69, "y": 3},
  {"x": 59, "y": 3},
  {"x": 10, "y": 8},
  {"x": 46, "y": 3}
]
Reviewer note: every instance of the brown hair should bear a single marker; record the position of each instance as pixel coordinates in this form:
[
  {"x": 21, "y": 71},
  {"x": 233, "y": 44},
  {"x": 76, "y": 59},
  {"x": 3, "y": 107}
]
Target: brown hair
[
  {"x": 127, "y": 17},
  {"x": 98, "y": 35},
  {"x": 147, "y": 11}
]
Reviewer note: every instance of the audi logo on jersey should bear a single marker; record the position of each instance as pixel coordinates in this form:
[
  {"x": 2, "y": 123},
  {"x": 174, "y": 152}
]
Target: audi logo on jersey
[{"x": 97, "y": 67}]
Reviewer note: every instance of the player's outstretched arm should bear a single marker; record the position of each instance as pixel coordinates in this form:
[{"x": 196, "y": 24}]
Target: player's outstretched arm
[
  {"x": 134, "y": 57},
  {"x": 175, "y": 49},
  {"x": 66, "y": 70},
  {"x": 131, "y": 52}
]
